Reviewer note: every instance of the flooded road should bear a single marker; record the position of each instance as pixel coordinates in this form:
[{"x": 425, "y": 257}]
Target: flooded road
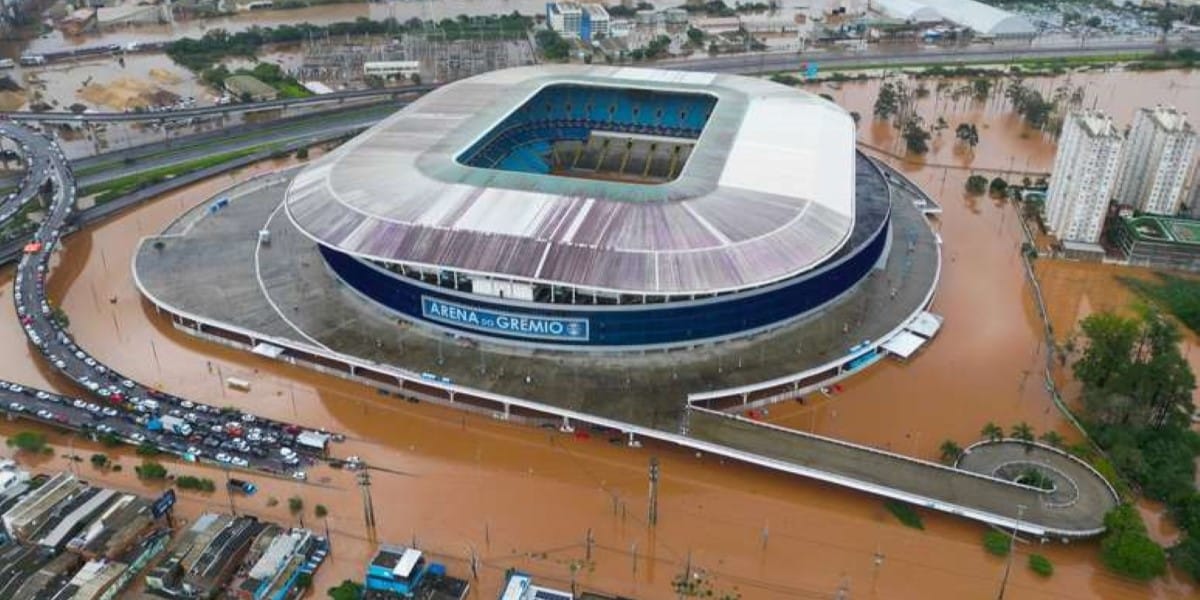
[{"x": 525, "y": 498}]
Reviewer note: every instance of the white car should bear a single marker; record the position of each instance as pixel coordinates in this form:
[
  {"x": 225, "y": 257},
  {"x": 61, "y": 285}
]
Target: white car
[
  {"x": 239, "y": 461},
  {"x": 300, "y": 475},
  {"x": 222, "y": 457},
  {"x": 284, "y": 450}
]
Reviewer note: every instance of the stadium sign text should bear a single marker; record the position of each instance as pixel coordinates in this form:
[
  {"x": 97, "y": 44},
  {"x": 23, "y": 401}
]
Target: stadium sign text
[{"x": 515, "y": 324}]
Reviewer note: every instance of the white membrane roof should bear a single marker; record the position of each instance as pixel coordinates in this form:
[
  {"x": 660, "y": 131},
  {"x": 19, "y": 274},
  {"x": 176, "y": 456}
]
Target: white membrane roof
[{"x": 767, "y": 193}]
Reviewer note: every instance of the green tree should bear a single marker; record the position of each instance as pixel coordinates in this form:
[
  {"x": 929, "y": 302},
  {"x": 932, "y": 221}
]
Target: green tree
[
  {"x": 347, "y": 590},
  {"x": 552, "y": 45},
  {"x": 976, "y": 184},
  {"x": 915, "y": 137},
  {"x": 1132, "y": 371},
  {"x": 1023, "y": 431},
  {"x": 1186, "y": 555},
  {"x": 1126, "y": 549},
  {"x": 695, "y": 37},
  {"x": 992, "y": 431},
  {"x": 99, "y": 460},
  {"x": 1052, "y": 438},
  {"x": 320, "y": 511},
  {"x": 28, "y": 441},
  {"x": 887, "y": 101},
  {"x": 981, "y": 87},
  {"x": 302, "y": 154},
  {"x": 951, "y": 452},
  {"x": 151, "y": 471},
  {"x": 1041, "y": 565},
  {"x": 295, "y": 505},
  {"x": 968, "y": 134},
  {"x": 998, "y": 186},
  {"x": 997, "y": 543}
]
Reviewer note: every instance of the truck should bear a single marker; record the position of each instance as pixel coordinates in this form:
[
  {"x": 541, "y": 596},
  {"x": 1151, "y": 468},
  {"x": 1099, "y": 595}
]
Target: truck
[{"x": 175, "y": 425}]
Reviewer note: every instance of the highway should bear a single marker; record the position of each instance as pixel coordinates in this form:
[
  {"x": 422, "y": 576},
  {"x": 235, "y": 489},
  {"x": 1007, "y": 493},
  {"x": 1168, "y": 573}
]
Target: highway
[
  {"x": 207, "y": 111},
  {"x": 131, "y": 411},
  {"x": 29, "y": 182},
  {"x": 767, "y": 62}
]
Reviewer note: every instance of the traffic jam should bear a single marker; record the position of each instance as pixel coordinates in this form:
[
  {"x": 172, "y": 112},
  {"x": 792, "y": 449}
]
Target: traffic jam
[{"x": 122, "y": 408}]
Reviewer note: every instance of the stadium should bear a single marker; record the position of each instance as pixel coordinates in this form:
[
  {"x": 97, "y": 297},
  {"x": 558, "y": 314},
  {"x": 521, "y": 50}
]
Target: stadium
[{"x": 600, "y": 208}]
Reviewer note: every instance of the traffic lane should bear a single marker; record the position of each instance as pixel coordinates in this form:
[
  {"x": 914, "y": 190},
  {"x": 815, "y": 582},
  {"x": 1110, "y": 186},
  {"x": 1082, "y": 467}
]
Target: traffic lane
[
  {"x": 71, "y": 360},
  {"x": 791, "y": 60},
  {"x": 92, "y": 419}
]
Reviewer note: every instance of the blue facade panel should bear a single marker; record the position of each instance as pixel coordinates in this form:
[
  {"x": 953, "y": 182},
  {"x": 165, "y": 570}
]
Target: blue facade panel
[{"x": 628, "y": 326}]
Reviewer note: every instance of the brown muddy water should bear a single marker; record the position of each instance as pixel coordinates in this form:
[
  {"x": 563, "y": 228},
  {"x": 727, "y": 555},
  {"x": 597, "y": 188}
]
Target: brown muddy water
[{"x": 525, "y": 498}]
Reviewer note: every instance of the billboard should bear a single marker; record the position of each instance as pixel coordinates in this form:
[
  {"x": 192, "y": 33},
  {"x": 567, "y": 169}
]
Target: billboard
[
  {"x": 524, "y": 325},
  {"x": 163, "y": 504}
]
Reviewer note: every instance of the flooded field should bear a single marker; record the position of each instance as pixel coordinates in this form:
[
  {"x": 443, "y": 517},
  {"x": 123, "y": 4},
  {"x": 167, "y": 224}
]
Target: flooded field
[{"x": 526, "y": 498}]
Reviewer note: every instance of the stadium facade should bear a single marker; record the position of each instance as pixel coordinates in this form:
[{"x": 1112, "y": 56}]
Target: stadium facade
[{"x": 600, "y": 208}]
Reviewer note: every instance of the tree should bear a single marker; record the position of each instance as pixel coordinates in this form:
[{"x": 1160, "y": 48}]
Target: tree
[
  {"x": 998, "y": 187},
  {"x": 1132, "y": 370},
  {"x": 1023, "y": 431},
  {"x": 99, "y": 460},
  {"x": 695, "y": 37},
  {"x": 981, "y": 87},
  {"x": 992, "y": 431},
  {"x": 1041, "y": 565},
  {"x": 915, "y": 137},
  {"x": 1052, "y": 438},
  {"x": 887, "y": 102},
  {"x": 151, "y": 471},
  {"x": 997, "y": 543},
  {"x": 951, "y": 452},
  {"x": 552, "y": 45},
  {"x": 320, "y": 511},
  {"x": 1126, "y": 549},
  {"x": 28, "y": 441},
  {"x": 1094, "y": 22},
  {"x": 976, "y": 184},
  {"x": 968, "y": 134},
  {"x": 347, "y": 590},
  {"x": 302, "y": 154},
  {"x": 1186, "y": 555},
  {"x": 1165, "y": 19}
]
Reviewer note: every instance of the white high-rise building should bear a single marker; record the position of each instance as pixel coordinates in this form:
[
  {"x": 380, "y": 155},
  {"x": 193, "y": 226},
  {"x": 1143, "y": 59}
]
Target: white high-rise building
[
  {"x": 1085, "y": 170},
  {"x": 1158, "y": 155}
]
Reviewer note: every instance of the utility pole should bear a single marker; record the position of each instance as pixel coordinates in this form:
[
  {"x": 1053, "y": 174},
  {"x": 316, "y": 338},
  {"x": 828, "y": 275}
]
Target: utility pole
[
  {"x": 364, "y": 485},
  {"x": 652, "y": 516},
  {"x": 1011, "y": 543}
]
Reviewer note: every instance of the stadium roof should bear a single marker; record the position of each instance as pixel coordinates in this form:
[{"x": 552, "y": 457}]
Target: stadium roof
[
  {"x": 982, "y": 18},
  {"x": 767, "y": 193},
  {"x": 907, "y": 10}
]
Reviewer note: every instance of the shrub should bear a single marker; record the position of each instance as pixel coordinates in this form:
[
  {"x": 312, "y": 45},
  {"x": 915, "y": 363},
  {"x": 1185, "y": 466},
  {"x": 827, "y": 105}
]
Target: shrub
[
  {"x": 1126, "y": 549},
  {"x": 99, "y": 460},
  {"x": 151, "y": 471},
  {"x": 996, "y": 543},
  {"x": 29, "y": 441},
  {"x": 905, "y": 513},
  {"x": 1041, "y": 565}
]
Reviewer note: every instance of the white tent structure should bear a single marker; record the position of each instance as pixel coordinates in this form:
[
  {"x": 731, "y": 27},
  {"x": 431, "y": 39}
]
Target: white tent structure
[
  {"x": 984, "y": 19},
  {"x": 910, "y": 11}
]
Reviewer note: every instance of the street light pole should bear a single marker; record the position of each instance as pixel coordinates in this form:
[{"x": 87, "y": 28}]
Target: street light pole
[{"x": 1011, "y": 543}]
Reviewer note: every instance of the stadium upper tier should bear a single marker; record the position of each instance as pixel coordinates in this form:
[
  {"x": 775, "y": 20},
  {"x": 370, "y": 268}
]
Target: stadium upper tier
[{"x": 621, "y": 180}]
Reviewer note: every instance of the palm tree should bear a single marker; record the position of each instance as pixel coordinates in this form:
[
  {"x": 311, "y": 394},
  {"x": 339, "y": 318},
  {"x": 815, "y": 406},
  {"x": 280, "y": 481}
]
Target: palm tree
[
  {"x": 1023, "y": 431},
  {"x": 951, "y": 452},
  {"x": 1053, "y": 438},
  {"x": 296, "y": 507},
  {"x": 322, "y": 513},
  {"x": 992, "y": 431}
]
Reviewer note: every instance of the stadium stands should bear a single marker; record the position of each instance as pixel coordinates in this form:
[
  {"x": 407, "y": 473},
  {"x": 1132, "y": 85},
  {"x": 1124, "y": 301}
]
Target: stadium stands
[{"x": 570, "y": 130}]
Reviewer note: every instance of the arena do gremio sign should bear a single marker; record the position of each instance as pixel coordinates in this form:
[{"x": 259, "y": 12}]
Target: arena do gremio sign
[{"x": 548, "y": 328}]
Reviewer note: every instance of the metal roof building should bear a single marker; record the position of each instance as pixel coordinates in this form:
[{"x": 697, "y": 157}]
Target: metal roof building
[
  {"x": 911, "y": 11},
  {"x": 766, "y": 193},
  {"x": 982, "y": 18}
]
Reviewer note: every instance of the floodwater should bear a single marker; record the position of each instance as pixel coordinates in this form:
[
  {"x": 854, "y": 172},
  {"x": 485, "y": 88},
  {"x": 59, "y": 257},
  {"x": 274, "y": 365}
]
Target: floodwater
[{"x": 526, "y": 498}]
